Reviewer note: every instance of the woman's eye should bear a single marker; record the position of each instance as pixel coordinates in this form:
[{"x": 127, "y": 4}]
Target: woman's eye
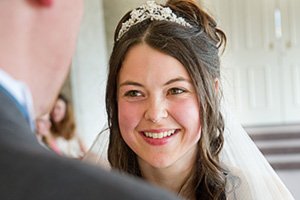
[
  {"x": 175, "y": 91},
  {"x": 133, "y": 93}
]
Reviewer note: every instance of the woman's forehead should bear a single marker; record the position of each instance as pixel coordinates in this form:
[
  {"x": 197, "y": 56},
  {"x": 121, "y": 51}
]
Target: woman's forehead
[{"x": 142, "y": 61}]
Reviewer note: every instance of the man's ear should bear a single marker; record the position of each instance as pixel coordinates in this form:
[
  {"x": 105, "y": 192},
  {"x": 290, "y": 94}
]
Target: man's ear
[{"x": 46, "y": 3}]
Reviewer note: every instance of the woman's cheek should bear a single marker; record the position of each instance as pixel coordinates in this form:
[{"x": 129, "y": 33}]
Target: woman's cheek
[
  {"x": 186, "y": 112},
  {"x": 129, "y": 116}
]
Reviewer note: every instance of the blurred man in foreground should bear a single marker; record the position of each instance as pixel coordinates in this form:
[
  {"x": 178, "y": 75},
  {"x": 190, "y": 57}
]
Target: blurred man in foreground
[{"x": 37, "y": 39}]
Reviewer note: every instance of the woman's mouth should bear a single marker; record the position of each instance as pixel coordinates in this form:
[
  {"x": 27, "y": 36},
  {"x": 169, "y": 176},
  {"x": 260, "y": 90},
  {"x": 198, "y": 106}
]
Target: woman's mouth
[{"x": 159, "y": 135}]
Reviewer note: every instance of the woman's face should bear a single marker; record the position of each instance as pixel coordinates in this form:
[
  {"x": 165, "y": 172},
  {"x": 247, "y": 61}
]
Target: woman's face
[
  {"x": 43, "y": 125},
  {"x": 59, "y": 111},
  {"x": 158, "y": 108}
]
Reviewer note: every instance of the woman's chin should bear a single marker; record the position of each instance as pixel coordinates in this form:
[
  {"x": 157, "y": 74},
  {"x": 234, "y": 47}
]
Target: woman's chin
[{"x": 160, "y": 163}]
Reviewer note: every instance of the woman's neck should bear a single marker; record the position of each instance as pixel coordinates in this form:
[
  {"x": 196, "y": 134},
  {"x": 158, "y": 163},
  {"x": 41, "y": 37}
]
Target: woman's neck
[{"x": 177, "y": 177}]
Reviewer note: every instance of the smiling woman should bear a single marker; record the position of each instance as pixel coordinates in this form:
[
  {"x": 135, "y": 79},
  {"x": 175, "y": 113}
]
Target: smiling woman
[
  {"x": 163, "y": 104},
  {"x": 158, "y": 110},
  {"x": 163, "y": 82}
]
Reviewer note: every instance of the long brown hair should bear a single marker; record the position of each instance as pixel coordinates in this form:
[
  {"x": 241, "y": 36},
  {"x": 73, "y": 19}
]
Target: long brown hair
[
  {"x": 197, "y": 48},
  {"x": 65, "y": 128}
]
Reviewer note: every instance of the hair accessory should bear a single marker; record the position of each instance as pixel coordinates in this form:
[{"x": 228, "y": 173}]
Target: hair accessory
[{"x": 152, "y": 11}]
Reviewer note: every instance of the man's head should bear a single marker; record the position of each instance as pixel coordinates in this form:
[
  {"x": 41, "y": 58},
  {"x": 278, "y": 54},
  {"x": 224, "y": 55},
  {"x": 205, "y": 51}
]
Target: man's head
[{"x": 37, "y": 42}]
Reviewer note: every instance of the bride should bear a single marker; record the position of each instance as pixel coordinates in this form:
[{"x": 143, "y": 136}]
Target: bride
[{"x": 166, "y": 123}]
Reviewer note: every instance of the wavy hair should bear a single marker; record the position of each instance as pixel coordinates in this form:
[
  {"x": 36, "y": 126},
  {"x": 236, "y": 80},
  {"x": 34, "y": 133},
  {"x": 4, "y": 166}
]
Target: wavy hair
[
  {"x": 197, "y": 48},
  {"x": 65, "y": 128}
]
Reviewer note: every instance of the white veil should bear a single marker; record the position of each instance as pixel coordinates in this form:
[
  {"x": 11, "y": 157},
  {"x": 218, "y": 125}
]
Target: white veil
[
  {"x": 250, "y": 175},
  {"x": 97, "y": 154}
]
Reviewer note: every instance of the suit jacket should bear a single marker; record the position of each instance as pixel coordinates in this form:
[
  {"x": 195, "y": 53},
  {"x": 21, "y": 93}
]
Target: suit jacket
[{"x": 29, "y": 171}]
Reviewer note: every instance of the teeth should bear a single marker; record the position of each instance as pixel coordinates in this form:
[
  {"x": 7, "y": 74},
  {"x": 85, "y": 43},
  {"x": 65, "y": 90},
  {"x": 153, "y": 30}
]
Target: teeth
[
  {"x": 159, "y": 135},
  {"x": 165, "y": 134}
]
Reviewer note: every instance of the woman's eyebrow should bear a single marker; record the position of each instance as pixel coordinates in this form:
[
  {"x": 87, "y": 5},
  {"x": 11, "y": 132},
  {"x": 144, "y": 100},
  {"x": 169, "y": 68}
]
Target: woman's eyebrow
[
  {"x": 131, "y": 83},
  {"x": 178, "y": 79}
]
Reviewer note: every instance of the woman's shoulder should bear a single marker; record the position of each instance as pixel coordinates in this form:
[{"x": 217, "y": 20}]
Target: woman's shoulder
[{"x": 237, "y": 186}]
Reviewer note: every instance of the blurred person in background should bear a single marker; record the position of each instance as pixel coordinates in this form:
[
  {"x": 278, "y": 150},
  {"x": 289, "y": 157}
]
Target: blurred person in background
[
  {"x": 43, "y": 125},
  {"x": 63, "y": 129}
]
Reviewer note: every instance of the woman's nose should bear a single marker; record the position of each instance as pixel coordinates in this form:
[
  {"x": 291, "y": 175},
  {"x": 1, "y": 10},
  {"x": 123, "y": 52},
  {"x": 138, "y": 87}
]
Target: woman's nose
[{"x": 156, "y": 110}]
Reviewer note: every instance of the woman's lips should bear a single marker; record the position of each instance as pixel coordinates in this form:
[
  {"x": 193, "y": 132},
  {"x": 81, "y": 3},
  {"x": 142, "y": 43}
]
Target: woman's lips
[{"x": 159, "y": 137}]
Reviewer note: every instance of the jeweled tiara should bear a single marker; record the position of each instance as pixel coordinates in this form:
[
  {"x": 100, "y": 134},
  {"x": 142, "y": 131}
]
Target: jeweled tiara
[{"x": 152, "y": 11}]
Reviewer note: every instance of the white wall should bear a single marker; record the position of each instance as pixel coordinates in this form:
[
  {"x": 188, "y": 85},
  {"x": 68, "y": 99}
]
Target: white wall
[{"x": 88, "y": 73}]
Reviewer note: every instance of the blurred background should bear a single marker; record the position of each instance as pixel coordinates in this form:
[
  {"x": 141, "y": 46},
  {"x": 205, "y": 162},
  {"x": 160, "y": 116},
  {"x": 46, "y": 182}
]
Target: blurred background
[{"x": 261, "y": 72}]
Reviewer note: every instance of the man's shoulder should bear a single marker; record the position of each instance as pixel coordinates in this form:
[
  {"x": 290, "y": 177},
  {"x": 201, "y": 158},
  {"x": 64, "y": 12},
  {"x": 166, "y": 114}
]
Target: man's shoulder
[{"x": 32, "y": 173}]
